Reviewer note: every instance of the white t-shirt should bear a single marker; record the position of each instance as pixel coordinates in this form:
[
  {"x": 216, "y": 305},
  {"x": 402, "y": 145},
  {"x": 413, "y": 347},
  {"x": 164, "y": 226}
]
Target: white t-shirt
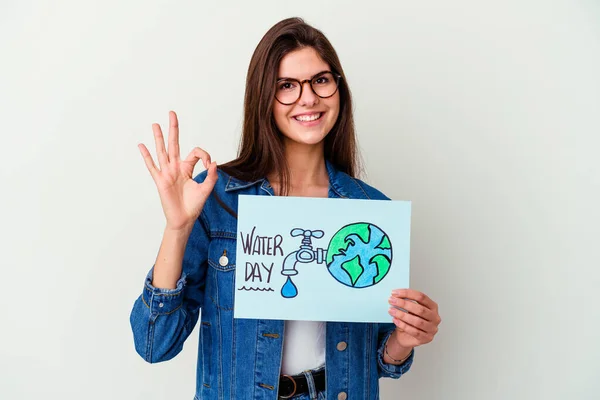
[{"x": 303, "y": 346}]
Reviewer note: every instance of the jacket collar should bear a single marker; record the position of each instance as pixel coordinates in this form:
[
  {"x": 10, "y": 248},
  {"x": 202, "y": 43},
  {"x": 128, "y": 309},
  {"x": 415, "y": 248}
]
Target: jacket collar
[
  {"x": 238, "y": 184},
  {"x": 338, "y": 181}
]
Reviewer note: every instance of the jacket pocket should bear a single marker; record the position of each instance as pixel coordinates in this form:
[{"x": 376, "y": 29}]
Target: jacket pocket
[
  {"x": 221, "y": 260},
  {"x": 221, "y": 252}
]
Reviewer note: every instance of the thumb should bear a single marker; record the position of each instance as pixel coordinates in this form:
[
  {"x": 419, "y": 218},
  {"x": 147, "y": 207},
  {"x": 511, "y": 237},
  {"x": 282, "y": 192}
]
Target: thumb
[{"x": 211, "y": 178}]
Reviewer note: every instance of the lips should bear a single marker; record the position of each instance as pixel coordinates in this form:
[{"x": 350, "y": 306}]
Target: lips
[{"x": 310, "y": 117}]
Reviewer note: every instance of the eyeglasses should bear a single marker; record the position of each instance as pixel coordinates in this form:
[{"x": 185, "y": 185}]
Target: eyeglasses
[{"x": 324, "y": 84}]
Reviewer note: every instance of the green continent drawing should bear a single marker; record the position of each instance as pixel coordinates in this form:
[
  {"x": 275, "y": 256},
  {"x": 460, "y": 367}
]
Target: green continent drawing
[{"x": 359, "y": 255}]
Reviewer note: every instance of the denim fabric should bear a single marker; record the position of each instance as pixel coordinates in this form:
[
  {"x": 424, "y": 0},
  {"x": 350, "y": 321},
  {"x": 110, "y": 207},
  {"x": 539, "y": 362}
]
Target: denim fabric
[
  {"x": 241, "y": 358},
  {"x": 316, "y": 396},
  {"x": 312, "y": 394},
  {"x": 319, "y": 396}
]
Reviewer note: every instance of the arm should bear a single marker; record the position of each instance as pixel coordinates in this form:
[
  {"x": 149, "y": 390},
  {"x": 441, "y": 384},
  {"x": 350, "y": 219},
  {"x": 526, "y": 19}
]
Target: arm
[
  {"x": 165, "y": 313},
  {"x": 168, "y": 266}
]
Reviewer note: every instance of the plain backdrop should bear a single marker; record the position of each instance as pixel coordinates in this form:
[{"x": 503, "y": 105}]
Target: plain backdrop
[{"x": 485, "y": 114}]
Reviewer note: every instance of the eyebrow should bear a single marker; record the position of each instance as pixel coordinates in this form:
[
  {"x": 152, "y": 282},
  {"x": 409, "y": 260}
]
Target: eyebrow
[{"x": 312, "y": 77}]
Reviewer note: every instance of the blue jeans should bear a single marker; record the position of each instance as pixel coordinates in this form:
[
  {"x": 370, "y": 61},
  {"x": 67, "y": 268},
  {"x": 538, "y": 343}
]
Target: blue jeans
[
  {"x": 312, "y": 392},
  {"x": 320, "y": 396}
]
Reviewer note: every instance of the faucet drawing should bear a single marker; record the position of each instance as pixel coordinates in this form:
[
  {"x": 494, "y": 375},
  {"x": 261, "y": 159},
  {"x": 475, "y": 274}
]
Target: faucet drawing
[{"x": 306, "y": 254}]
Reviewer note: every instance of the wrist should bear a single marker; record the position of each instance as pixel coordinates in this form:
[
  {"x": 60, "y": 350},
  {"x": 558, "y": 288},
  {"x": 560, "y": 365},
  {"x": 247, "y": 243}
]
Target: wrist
[
  {"x": 179, "y": 232},
  {"x": 395, "y": 351}
]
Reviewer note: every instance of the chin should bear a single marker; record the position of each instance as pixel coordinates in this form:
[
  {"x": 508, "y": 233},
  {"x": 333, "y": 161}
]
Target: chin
[{"x": 306, "y": 138}]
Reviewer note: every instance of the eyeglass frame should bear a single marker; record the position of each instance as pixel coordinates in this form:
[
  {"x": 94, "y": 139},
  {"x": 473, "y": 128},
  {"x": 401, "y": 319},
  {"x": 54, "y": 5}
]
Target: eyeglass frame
[{"x": 337, "y": 77}]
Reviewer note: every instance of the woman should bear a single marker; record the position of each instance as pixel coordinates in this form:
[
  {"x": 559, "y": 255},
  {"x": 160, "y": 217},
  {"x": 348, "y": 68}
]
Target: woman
[{"x": 298, "y": 140}]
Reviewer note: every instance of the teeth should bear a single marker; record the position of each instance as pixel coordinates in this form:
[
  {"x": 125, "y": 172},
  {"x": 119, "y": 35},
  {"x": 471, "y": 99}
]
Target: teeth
[{"x": 307, "y": 118}]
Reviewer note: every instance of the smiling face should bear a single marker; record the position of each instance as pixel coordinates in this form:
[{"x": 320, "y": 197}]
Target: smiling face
[{"x": 310, "y": 118}]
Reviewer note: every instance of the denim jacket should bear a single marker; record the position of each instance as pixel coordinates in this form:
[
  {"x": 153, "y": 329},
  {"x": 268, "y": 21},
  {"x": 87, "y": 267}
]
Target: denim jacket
[{"x": 241, "y": 358}]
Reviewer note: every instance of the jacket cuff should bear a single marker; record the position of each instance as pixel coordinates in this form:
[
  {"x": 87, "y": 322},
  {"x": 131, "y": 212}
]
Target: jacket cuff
[
  {"x": 392, "y": 370},
  {"x": 162, "y": 301}
]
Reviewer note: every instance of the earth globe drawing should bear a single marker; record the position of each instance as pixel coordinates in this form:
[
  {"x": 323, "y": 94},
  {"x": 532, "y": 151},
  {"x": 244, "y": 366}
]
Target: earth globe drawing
[{"x": 359, "y": 255}]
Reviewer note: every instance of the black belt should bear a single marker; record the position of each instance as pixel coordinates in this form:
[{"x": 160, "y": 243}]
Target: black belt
[{"x": 297, "y": 384}]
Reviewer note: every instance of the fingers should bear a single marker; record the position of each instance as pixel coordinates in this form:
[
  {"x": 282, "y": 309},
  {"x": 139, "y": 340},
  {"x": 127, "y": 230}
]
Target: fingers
[
  {"x": 414, "y": 321},
  {"x": 421, "y": 336},
  {"x": 171, "y": 156},
  {"x": 198, "y": 154},
  {"x": 148, "y": 160},
  {"x": 418, "y": 317},
  {"x": 417, "y": 296},
  {"x": 414, "y": 308},
  {"x": 211, "y": 177},
  {"x": 161, "y": 153},
  {"x": 173, "y": 137}
]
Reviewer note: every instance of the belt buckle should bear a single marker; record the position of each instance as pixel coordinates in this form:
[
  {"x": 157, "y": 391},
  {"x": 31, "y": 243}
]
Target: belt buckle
[{"x": 293, "y": 391}]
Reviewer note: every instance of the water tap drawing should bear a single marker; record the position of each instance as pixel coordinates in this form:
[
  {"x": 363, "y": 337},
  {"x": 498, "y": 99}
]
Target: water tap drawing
[{"x": 359, "y": 255}]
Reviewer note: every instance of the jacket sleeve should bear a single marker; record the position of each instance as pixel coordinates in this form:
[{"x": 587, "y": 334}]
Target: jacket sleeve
[
  {"x": 162, "y": 319},
  {"x": 390, "y": 370}
]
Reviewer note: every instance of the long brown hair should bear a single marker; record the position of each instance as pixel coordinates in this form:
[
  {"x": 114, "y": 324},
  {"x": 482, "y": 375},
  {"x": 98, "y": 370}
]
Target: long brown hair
[{"x": 261, "y": 150}]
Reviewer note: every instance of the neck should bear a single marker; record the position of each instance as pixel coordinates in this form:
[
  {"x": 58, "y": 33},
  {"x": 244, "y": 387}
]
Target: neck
[{"x": 306, "y": 164}]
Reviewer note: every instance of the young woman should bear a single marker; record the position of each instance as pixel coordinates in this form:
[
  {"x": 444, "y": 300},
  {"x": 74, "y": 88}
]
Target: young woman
[{"x": 298, "y": 140}]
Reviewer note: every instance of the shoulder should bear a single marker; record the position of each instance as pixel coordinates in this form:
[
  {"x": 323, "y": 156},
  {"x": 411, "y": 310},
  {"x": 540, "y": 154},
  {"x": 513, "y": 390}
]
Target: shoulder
[
  {"x": 370, "y": 191},
  {"x": 355, "y": 188}
]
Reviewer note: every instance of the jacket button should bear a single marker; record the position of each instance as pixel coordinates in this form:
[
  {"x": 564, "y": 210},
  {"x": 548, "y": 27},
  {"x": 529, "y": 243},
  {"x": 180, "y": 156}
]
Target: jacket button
[
  {"x": 223, "y": 260},
  {"x": 342, "y": 396},
  {"x": 341, "y": 346}
]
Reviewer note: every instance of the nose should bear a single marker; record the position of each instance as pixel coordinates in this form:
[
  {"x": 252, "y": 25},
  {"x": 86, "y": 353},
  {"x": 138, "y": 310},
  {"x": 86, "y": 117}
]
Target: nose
[{"x": 308, "y": 97}]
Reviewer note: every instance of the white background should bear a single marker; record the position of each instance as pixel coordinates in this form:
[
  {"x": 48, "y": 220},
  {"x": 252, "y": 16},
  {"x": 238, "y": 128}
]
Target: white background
[{"x": 484, "y": 114}]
